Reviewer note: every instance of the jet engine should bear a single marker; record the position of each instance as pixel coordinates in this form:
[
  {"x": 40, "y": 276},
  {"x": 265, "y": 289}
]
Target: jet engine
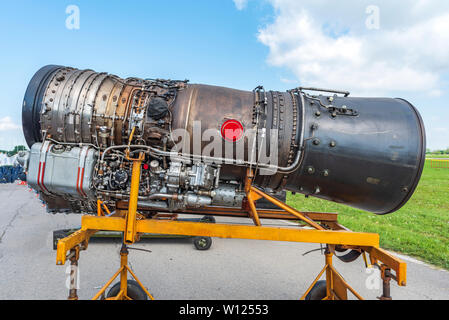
[{"x": 199, "y": 142}]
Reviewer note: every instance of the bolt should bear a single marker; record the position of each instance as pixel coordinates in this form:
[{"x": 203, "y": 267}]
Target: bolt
[
  {"x": 326, "y": 173},
  {"x": 310, "y": 170},
  {"x": 332, "y": 144},
  {"x": 316, "y": 142},
  {"x": 318, "y": 113}
]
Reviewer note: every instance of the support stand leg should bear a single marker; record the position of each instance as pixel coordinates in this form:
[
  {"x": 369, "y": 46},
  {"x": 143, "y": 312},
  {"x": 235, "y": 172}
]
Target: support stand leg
[
  {"x": 124, "y": 273},
  {"x": 336, "y": 286},
  {"x": 329, "y": 275},
  {"x": 73, "y": 290},
  {"x": 251, "y": 198},
  {"x": 129, "y": 237},
  {"x": 386, "y": 279}
]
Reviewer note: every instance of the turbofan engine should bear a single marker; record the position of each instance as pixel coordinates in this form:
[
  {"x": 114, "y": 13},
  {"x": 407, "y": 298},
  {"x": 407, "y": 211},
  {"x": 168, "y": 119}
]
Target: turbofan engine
[{"x": 199, "y": 142}]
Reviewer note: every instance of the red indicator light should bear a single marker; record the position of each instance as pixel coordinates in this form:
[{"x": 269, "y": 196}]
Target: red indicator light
[
  {"x": 146, "y": 166},
  {"x": 232, "y": 130}
]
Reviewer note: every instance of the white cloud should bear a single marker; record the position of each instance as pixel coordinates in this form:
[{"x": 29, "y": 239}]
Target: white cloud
[
  {"x": 7, "y": 124},
  {"x": 240, "y": 4},
  {"x": 327, "y": 44},
  {"x": 441, "y": 130}
]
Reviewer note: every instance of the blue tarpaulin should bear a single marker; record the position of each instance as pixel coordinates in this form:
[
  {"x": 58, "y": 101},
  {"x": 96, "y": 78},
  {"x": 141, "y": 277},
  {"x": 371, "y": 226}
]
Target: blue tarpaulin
[{"x": 9, "y": 174}]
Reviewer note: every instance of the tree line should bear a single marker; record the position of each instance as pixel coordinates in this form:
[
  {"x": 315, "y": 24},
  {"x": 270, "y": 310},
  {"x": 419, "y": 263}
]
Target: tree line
[
  {"x": 446, "y": 151},
  {"x": 14, "y": 151}
]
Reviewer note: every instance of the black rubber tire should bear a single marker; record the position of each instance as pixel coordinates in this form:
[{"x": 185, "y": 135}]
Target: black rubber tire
[
  {"x": 350, "y": 256},
  {"x": 58, "y": 235},
  {"x": 265, "y": 204},
  {"x": 202, "y": 243},
  {"x": 135, "y": 292},
  {"x": 208, "y": 219},
  {"x": 318, "y": 291}
]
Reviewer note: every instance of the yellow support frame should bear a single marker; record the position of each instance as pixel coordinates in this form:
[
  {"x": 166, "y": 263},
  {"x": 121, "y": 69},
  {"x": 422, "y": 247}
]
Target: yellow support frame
[
  {"x": 336, "y": 287},
  {"x": 235, "y": 231},
  {"x": 123, "y": 272},
  {"x": 129, "y": 224}
]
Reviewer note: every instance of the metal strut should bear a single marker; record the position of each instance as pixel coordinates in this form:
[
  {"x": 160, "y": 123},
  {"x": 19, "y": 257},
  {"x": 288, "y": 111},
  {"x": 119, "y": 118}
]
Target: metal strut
[
  {"x": 79, "y": 240},
  {"x": 336, "y": 287},
  {"x": 129, "y": 237},
  {"x": 123, "y": 272},
  {"x": 322, "y": 228}
]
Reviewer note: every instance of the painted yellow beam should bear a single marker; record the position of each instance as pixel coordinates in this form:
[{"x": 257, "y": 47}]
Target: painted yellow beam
[
  {"x": 68, "y": 243},
  {"x": 399, "y": 266},
  {"x": 130, "y": 232},
  {"x": 236, "y": 231}
]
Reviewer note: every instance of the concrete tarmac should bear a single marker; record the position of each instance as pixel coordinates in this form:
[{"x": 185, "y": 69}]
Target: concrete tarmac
[{"x": 231, "y": 269}]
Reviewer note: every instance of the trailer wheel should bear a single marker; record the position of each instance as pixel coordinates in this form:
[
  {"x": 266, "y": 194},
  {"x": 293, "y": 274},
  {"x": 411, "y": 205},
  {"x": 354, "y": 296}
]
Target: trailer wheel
[
  {"x": 202, "y": 243},
  {"x": 208, "y": 219},
  {"x": 58, "y": 235},
  {"x": 135, "y": 292},
  {"x": 318, "y": 291}
]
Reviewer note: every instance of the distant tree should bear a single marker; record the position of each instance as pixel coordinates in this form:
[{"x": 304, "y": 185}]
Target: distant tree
[{"x": 15, "y": 151}]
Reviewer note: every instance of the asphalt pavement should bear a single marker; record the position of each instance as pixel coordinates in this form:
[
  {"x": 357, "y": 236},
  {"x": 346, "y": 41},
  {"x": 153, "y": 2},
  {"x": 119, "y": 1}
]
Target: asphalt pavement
[{"x": 231, "y": 269}]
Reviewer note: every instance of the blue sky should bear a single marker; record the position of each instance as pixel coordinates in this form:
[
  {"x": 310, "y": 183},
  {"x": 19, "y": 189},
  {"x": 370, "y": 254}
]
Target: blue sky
[{"x": 214, "y": 42}]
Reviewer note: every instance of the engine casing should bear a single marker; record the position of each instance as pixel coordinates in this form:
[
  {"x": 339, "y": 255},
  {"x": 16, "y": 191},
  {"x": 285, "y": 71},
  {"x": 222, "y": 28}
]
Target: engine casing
[{"x": 200, "y": 140}]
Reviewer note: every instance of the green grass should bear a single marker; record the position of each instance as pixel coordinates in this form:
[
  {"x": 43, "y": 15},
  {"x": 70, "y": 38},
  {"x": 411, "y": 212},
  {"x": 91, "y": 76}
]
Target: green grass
[
  {"x": 419, "y": 229},
  {"x": 442, "y": 156}
]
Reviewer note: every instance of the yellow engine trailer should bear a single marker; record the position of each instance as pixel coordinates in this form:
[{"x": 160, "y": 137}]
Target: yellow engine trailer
[{"x": 316, "y": 227}]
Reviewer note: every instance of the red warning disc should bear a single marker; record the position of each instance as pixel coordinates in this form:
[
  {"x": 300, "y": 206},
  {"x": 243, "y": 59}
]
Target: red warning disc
[{"x": 232, "y": 130}]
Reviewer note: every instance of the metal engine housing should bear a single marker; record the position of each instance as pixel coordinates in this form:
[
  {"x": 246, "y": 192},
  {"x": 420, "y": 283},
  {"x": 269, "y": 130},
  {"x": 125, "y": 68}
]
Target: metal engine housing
[{"x": 83, "y": 126}]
